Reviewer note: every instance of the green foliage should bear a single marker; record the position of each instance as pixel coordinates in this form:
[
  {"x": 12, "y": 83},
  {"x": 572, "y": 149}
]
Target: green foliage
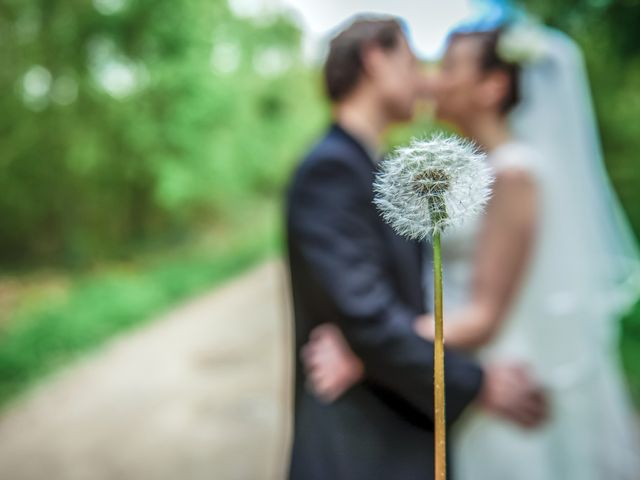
[
  {"x": 630, "y": 349},
  {"x": 140, "y": 122}
]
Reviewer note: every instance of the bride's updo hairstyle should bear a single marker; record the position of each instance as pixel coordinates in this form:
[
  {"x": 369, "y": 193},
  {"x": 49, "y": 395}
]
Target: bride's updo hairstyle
[{"x": 490, "y": 61}]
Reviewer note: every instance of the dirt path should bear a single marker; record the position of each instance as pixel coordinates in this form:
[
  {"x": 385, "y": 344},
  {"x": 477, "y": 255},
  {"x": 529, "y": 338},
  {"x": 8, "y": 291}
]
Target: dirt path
[{"x": 198, "y": 394}]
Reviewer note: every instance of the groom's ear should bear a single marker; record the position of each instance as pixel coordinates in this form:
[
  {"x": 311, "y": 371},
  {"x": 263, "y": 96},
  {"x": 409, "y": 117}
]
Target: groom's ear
[{"x": 373, "y": 59}]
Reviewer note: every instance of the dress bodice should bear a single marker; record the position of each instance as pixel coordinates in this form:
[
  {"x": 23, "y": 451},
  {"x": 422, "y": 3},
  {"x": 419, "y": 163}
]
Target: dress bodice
[{"x": 459, "y": 244}]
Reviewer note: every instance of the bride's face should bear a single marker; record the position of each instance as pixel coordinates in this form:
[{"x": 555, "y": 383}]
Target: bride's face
[{"x": 459, "y": 87}]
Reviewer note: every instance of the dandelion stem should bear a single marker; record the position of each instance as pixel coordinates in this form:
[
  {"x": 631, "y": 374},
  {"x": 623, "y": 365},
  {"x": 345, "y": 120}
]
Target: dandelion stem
[{"x": 438, "y": 369}]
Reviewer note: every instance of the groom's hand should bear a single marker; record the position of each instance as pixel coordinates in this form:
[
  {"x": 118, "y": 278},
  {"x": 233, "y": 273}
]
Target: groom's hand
[
  {"x": 510, "y": 392},
  {"x": 332, "y": 367}
]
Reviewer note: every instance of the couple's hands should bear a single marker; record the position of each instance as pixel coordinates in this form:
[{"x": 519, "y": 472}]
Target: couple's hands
[
  {"x": 508, "y": 391},
  {"x": 425, "y": 326},
  {"x": 332, "y": 368}
]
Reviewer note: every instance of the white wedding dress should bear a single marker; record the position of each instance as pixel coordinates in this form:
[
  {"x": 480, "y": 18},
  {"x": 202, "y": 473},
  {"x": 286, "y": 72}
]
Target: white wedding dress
[{"x": 562, "y": 323}]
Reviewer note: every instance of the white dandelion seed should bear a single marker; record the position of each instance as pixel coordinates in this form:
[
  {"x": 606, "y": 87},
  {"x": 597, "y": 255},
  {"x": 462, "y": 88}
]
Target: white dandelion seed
[{"x": 432, "y": 185}]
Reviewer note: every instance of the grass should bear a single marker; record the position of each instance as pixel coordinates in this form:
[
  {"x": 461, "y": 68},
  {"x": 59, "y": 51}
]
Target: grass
[
  {"x": 54, "y": 329},
  {"x": 630, "y": 351}
]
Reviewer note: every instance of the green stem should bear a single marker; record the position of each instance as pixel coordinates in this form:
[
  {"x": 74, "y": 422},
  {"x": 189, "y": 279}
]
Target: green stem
[{"x": 438, "y": 366}]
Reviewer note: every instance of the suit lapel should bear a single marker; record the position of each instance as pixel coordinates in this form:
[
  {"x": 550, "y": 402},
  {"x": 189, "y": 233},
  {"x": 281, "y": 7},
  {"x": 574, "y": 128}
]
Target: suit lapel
[{"x": 404, "y": 256}]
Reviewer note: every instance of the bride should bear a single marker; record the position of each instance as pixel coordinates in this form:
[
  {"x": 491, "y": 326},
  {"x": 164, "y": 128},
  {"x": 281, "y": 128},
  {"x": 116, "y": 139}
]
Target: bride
[{"x": 543, "y": 276}]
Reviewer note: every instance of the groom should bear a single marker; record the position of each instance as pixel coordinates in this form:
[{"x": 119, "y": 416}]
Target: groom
[{"x": 349, "y": 268}]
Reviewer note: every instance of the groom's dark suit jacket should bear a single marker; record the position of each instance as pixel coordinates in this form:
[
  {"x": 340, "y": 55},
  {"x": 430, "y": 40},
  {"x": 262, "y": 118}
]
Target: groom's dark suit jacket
[{"x": 348, "y": 267}]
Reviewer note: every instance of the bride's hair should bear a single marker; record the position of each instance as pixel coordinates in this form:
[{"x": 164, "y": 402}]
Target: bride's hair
[{"x": 490, "y": 61}]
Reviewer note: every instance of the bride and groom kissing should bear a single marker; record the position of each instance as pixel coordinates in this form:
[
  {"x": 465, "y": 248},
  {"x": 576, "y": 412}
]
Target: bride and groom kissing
[{"x": 533, "y": 388}]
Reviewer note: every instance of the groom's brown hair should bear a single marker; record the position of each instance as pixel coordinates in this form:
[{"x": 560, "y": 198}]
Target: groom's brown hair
[{"x": 343, "y": 67}]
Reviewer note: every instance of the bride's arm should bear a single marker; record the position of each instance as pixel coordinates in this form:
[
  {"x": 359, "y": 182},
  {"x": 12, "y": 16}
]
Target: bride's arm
[{"x": 505, "y": 242}]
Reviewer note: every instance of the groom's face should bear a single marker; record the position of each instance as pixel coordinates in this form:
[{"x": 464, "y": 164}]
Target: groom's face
[{"x": 395, "y": 79}]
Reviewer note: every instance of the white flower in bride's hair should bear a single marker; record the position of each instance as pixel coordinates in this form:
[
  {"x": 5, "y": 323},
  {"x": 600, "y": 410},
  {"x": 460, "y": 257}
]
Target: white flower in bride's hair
[
  {"x": 522, "y": 43},
  {"x": 432, "y": 185}
]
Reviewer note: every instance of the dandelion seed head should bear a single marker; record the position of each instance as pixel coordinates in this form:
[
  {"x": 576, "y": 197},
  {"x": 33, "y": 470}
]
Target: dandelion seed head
[{"x": 432, "y": 185}]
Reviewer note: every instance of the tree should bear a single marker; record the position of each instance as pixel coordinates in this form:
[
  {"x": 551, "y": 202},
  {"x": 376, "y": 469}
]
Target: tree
[{"x": 124, "y": 120}]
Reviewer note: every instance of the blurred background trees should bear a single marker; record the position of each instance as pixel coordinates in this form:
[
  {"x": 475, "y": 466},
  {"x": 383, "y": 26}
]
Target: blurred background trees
[{"x": 129, "y": 120}]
